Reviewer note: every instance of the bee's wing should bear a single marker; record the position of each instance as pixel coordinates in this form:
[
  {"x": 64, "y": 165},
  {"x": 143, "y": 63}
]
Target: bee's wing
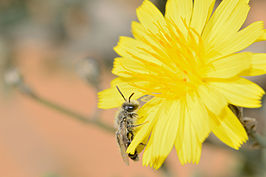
[
  {"x": 145, "y": 98},
  {"x": 123, "y": 147}
]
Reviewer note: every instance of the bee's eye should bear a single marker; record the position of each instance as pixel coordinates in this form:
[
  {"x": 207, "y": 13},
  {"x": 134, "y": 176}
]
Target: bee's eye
[{"x": 129, "y": 108}]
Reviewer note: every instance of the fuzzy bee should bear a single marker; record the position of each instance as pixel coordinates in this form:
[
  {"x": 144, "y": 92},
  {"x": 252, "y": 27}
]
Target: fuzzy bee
[{"x": 125, "y": 123}]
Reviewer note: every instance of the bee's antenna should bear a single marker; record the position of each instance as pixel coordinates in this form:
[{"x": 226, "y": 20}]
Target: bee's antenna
[
  {"x": 120, "y": 93},
  {"x": 130, "y": 96}
]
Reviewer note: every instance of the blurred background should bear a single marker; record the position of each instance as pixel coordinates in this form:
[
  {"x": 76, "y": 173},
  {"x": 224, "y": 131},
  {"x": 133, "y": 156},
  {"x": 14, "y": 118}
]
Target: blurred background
[{"x": 58, "y": 54}]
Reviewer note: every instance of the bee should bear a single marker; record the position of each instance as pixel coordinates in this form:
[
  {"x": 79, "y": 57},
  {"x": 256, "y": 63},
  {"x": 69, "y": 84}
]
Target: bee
[{"x": 125, "y": 123}]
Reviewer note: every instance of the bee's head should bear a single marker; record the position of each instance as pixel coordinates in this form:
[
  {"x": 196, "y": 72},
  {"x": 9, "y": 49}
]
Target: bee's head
[{"x": 130, "y": 106}]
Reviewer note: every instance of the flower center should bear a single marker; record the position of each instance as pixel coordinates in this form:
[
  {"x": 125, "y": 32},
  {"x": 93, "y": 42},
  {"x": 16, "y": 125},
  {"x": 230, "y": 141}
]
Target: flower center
[{"x": 181, "y": 60}]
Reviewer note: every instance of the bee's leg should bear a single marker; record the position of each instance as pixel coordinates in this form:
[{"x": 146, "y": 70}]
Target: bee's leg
[
  {"x": 130, "y": 122},
  {"x": 130, "y": 134},
  {"x": 134, "y": 156},
  {"x": 130, "y": 137},
  {"x": 132, "y": 125},
  {"x": 133, "y": 115}
]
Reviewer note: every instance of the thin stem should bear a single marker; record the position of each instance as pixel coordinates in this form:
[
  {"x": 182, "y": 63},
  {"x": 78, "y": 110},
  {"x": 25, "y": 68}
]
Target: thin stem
[
  {"x": 259, "y": 139},
  {"x": 94, "y": 121}
]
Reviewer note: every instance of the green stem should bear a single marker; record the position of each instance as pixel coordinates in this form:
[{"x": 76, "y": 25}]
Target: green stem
[
  {"x": 94, "y": 121},
  {"x": 259, "y": 139}
]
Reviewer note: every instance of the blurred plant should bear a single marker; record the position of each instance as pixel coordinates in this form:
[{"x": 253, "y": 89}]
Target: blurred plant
[
  {"x": 250, "y": 125},
  {"x": 89, "y": 70},
  {"x": 253, "y": 161},
  {"x": 14, "y": 78},
  {"x": 12, "y": 12}
]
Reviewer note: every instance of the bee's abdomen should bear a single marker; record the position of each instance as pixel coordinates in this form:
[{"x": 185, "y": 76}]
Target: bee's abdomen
[{"x": 134, "y": 156}]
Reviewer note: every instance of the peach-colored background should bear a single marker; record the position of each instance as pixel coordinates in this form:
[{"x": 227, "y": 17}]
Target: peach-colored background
[{"x": 36, "y": 141}]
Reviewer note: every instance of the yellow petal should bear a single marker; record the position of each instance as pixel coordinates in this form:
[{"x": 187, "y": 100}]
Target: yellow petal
[
  {"x": 201, "y": 11},
  {"x": 187, "y": 144},
  {"x": 229, "y": 130},
  {"x": 110, "y": 98},
  {"x": 142, "y": 74},
  {"x": 214, "y": 101},
  {"x": 121, "y": 66},
  {"x": 239, "y": 40},
  {"x": 240, "y": 92},
  {"x": 147, "y": 60},
  {"x": 141, "y": 34},
  {"x": 150, "y": 17},
  {"x": 136, "y": 50},
  {"x": 148, "y": 115},
  {"x": 258, "y": 65},
  {"x": 163, "y": 134},
  {"x": 243, "y": 38},
  {"x": 179, "y": 10},
  {"x": 118, "y": 68},
  {"x": 225, "y": 22},
  {"x": 230, "y": 66},
  {"x": 199, "y": 116},
  {"x": 138, "y": 30},
  {"x": 262, "y": 37}
]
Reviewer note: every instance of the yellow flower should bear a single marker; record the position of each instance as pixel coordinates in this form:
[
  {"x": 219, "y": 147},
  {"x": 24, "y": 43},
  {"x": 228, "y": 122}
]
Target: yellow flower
[{"x": 187, "y": 60}]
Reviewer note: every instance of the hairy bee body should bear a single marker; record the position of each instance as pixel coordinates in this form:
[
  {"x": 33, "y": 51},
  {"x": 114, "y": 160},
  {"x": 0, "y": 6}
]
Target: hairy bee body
[{"x": 125, "y": 123}]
